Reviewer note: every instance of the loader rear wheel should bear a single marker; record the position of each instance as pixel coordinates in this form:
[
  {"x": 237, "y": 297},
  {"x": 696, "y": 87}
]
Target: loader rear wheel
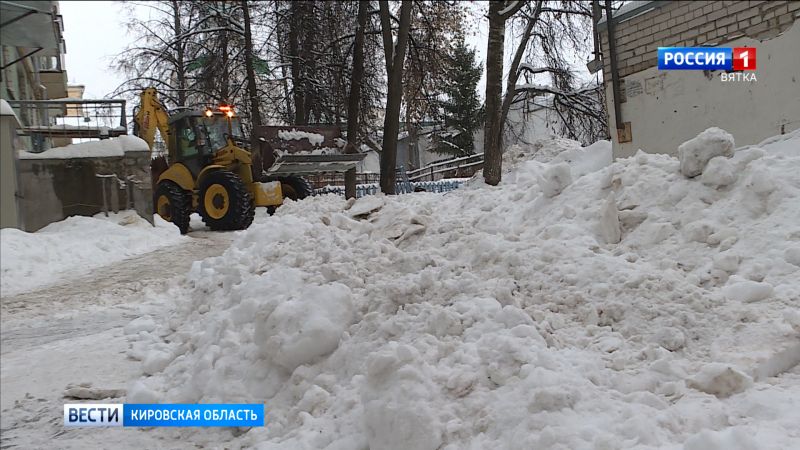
[
  {"x": 293, "y": 187},
  {"x": 224, "y": 202},
  {"x": 174, "y": 204}
]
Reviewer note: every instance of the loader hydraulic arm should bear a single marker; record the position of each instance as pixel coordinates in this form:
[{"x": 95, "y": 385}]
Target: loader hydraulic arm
[{"x": 151, "y": 117}]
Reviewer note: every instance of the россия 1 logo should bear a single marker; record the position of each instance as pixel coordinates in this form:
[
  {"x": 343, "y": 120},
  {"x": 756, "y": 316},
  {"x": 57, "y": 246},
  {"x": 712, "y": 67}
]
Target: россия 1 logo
[{"x": 736, "y": 60}]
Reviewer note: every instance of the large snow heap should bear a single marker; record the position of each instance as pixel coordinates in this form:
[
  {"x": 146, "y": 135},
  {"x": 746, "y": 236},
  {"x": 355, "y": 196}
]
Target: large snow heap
[{"x": 580, "y": 304}]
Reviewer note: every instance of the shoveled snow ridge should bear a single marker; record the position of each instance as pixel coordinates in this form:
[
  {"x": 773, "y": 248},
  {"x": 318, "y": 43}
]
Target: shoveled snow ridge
[
  {"x": 76, "y": 244},
  {"x": 630, "y": 307}
]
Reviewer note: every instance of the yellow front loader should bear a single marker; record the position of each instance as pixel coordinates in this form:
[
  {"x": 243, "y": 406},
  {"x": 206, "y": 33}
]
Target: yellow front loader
[{"x": 206, "y": 169}]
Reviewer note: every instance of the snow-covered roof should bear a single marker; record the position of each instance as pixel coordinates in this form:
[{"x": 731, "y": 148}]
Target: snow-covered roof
[{"x": 94, "y": 149}]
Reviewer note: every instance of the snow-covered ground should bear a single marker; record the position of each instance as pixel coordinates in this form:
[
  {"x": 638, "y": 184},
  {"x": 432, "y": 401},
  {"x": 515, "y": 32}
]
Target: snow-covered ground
[
  {"x": 580, "y": 304},
  {"x": 76, "y": 245},
  {"x": 66, "y": 343}
]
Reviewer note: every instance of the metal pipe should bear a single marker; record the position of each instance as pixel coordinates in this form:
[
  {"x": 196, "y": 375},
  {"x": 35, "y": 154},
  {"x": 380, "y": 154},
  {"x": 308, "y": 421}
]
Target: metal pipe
[{"x": 612, "y": 49}]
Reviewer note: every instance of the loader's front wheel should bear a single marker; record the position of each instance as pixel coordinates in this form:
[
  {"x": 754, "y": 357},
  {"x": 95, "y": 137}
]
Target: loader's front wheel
[
  {"x": 174, "y": 204},
  {"x": 225, "y": 202}
]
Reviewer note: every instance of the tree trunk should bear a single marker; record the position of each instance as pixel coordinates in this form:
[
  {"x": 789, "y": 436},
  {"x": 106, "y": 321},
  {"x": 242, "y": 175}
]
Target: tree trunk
[
  {"x": 391, "y": 122},
  {"x": 354, "y": 99},
  {"x": 225, "y": 88},
  {"x": 252, "y": 92},
  {"x": 492, "y": 146},
  {"x": 297, "y": 9},
  {"x": 287, "y": 97},
  {"x": 180, "y": 67}
]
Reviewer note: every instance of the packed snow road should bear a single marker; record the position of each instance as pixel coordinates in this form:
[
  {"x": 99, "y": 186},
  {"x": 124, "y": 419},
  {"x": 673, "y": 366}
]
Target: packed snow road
[{"x": 66, "y": 342}]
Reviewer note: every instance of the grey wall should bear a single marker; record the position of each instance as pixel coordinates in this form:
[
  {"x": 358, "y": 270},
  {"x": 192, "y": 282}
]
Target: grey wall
[{"x": 53, "y": 189}]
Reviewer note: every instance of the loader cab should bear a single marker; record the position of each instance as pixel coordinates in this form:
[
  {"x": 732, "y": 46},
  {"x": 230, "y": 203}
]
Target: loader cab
[{"x": 198, "y": 135}]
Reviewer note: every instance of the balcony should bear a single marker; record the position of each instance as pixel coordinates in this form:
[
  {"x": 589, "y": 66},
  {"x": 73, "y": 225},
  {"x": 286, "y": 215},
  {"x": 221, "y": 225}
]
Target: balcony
[{"x": 56, "y": 83}]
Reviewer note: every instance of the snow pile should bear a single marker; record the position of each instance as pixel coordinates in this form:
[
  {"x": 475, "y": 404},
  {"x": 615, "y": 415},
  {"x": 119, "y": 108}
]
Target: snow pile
[
  {"x": 76, "y": 244},
  {"x": 695, "y": 153},
  {"x": 94, "y": 149},
  {"x": 582, "y": 160},
  {"x": 635, "y": 307},
  {"x": 314, "y": 138}
]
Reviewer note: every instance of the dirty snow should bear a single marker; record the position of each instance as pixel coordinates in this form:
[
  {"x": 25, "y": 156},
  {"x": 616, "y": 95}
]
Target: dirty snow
[
  {"x": 76, "y": 244},
  {"x": 635, "y": 307},
  {"x": 103, "y": 148}
]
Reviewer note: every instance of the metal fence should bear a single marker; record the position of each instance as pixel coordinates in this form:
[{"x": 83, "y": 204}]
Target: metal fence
[
  {"x": 64, "y": 119},
  {"x": 362, "y": 190},
  {"x": 320, "y": 180},
  {"x": 459, "y": 167}
]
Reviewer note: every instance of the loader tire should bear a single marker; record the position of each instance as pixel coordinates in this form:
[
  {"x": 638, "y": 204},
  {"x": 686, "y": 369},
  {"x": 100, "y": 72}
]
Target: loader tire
[
  {"x": 294, "y": 187},
  {"x": 173, "y": 204},
  {"x": 224, "y": 202}
]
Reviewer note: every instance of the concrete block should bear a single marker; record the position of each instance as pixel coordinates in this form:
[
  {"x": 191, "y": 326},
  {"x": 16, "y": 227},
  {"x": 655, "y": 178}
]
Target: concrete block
[
  {"x": 783, "y": 9},
  {"x": 727, "y": 20},
  {"x": 738, "y": 6},
  {"x": 717, "y": 14},
  {"x": 785, "y": 19},
  {"x": 705, "y": 28},
  {"x": 697, "y": 22},
  {"x": 747, "y": 14},
  {"x": 679, "y": 11}
]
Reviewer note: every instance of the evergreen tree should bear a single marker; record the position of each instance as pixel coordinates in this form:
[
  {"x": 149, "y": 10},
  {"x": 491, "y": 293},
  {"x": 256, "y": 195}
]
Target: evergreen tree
[{"x": 462, "y": 109}]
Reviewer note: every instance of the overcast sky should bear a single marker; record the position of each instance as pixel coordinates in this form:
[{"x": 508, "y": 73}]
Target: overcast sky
[{"x": 94, "y": 32}]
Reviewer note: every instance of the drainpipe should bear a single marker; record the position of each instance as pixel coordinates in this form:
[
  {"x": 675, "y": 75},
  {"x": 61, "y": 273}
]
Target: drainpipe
[{"x": 612, "y": 48}]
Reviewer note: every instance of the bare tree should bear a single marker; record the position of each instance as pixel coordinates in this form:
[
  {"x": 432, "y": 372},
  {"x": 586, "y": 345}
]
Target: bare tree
[
  {"x": 252, "y": 91},
  {"x": 354, "y": 99},
  {"x": 552, "y": 31},
  {"x": 437, "y": 30},
  {"x": 395, "y": 58},
  {"x": 499, "y": 13},
  {"x": 157, "y": 57}
]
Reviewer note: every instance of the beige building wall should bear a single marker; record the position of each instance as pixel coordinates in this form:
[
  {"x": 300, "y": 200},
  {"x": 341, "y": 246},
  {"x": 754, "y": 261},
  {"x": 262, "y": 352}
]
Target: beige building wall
[
  {"x": 9, "y": 214},
  {"x": 666, "y": 108},
  {"x": 75, "y": 91}
]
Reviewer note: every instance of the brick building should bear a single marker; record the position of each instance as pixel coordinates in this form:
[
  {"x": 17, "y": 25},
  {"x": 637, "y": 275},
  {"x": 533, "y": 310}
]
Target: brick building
[{"x": 661, "y": 109}]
